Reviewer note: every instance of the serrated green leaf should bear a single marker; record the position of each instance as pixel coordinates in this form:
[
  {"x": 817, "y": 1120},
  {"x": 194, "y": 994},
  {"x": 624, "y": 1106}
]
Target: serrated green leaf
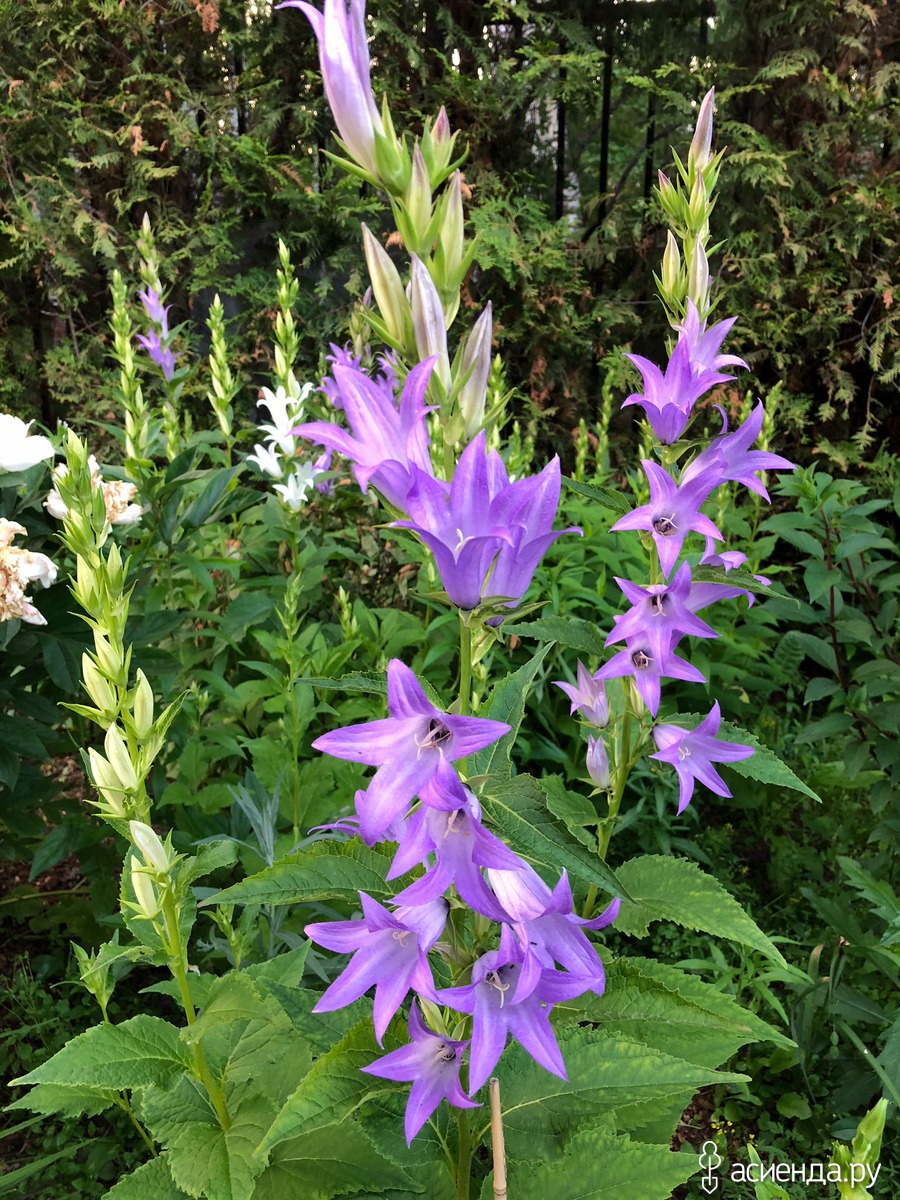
[
  {"x": 603, "y": 1165},
  {"x": 333, "y": 1161},
  {"x": 321, "y": 1030},
  {"x": 144, "y": 1050},
  {"x": 574, "y": 810},
  {"x": 614, "y": 501},
  {"x": 152, "y": 1181},
  {"x": 675, "y": 889},
  {"x": 507, "y": 703},
  {"x": 608, "y": 1075},
  {"x": 324, "y": 871},
  {"x": 68, "y": 1101},
  {"x": 517, "y": 809},
  {"x": 203, "y": 1159},
  {"x": 334, "y": 1087},
  {"x": 574, "y": 632},
  {"x": 738, "y": 578},
  {"x": 764, "y": 765}
]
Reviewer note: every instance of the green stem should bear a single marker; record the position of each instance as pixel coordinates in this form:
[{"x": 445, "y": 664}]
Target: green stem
[
  {"x": 125, "y": 1104},
  {"x": 463, "y": 1156},
  {"x": 465, "y": 665},
  {"x": 178, "y": 967},
  {"x": 605, "y": 832}
]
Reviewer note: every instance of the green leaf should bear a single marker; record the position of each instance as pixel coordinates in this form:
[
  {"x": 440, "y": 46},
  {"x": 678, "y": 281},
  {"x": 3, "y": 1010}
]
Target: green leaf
[
  {"x": 321, "y": 1030},
  {"x": 608, "y": 1075},
  {"x": 201, "y": 509},
  {"x": 602, "y": 1164},
  {"x": 516, "y": 808},
  {"x": 575, "y": 632},
  {"x": 334, "y": 1087},
  {"x": 205, "y": 1160},
  {"x": 356, "y": 681},
  {"x": 152, "y": 1181},
  {"x": 614, "y": 501},
  {"x": 336, "y": 1160},
  {"x": 793, "y": 1106},
  {"x": 644, "y": 1008},
  {"x": 507, "y": 703},
  {"x": 738, "y": 578},
  {"x": 675, "y": 889},
  {"x": 68, "y": 1101},
  {"x": 324, "y": 871},
  {"x": 136, "y": 1053},
  {"x": 233, "y": 997},
  {"x": 574, "y": 810}
]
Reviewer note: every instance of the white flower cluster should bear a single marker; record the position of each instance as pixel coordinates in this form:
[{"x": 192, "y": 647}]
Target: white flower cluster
[
  {"x": 277, "y": 455},
  {"x": 117, "y": 496},
  {"x": 20, "y": 450},
  {"x": 18, "y": 569}
]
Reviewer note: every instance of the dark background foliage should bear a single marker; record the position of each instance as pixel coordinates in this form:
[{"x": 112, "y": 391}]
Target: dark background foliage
[{"x": 209, "y": 116}]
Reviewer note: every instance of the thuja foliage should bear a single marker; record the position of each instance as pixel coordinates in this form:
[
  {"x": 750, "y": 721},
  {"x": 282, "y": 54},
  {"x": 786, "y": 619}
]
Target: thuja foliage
[{"x": 207, "y": 116}]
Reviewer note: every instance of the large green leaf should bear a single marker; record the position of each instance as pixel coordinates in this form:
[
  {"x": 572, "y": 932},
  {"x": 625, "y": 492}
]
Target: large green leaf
[
  {"x": 603, "y": 1165},
  {"x": 133, "y": 1054},
  {"x": 675, "y": 889},
  {"x": 642, "y": 1006},
  {"x": 615, "y": 501},
  {"x": 323, "y": 872},
  {"x": 608, "y": 1074},
  {"x": 205, "y": 1160},
  {"x": 68, "y": 1101},
  {"x": 575, "y": 632},
  {"x": 764, "y": 765},
  {"x": 517, "y": 809},
  {"x": 152, "y": 1181},
  {"x": 335, "y": 1086},
  {"x": 336, "y": 1160},
  {"x": 507, "y": 703}
]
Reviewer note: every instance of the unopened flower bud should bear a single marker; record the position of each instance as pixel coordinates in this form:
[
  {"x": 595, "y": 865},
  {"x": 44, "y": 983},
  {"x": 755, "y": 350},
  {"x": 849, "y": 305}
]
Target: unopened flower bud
[
  {"x": 698, "y": 208},
  {"x": 428, "y": 320},
  {"x": 142, "y": 709},
  {"x": 698, "y": 279},
  {"x": 388, "y": 289},
  {"x": 108, "y": 656},
  {"x": 699, "y": 153},
  {"x": 476, "y": 358},
  {"x": 120, "y": 760},
  {"x": 598, "y": 762},
  {"x": 107, "y": 783},
  {"x": 671, "y": 267},
  {"x": 145, "y": 893},
  {"x": 417, "y": 200},
  {"x": 97, "y": 685},
  {"x": 147, "y": 841},
  {"x": 451, "y": 236}
]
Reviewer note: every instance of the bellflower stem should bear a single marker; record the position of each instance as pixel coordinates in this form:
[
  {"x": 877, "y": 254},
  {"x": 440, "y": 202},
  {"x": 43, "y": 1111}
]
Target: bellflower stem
[
  {"x": 464, "y": 1155},
  {"x": 178, "y": 967},
  {"x": 465, "y": 665},
  {"x": 604, "y": 833}
]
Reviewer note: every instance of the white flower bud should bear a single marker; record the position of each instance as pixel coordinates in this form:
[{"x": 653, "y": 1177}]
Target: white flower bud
[
  {"x": 120, "y": 760},
  {"x": 598, "y": 762},
  {"x": 145, "y": 893},
  {"x": 97, "y": 685},
  {"x": 147, "y": 841},
  {"x": 142, "y": 709},
  {"x": 106, "y": 782},
  {"x": 428, "y": 320},
  {"x": 477, "y": 358}
]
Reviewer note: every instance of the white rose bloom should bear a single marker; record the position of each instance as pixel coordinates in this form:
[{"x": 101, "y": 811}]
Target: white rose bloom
[
  {"x": 297, "y": 488},
  {"x": 20, "y": 450},
  {"x": 267, "y": 460}
]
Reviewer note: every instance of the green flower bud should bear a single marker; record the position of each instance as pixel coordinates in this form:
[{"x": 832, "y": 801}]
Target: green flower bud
[
  {"x": 147, "y": 841},
  {"x": 388, "y": 288},
  {"x": 145, "y": 893},
  {"x": 142, "y": 708},
  {"x": 476, "y": 363},
  {"x": 671, "y": 269},
  {"x": 106, "y": 783},
  {"x": 428, "y": 321},
  {"x": 98, "y": 686},
  {"x": 120, "y": 760},
  {"x": 417, "y": 201}
]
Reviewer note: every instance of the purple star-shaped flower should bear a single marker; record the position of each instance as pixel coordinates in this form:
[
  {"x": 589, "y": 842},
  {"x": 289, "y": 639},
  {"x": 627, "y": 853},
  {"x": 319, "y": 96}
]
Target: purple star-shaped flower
[
  {"x": 546, "y": 924},
  {"x": 693, "y": 751},
  {"x": 411, "y": 748},
  {"x": 673, "y": 511},
  {"x": 669, "y": 399},
  {"x": 661, "y": 614},
  {"x": 511, "y": 994},
  {"x": 730, "y": 458},
  {"x": 487, "y": 534},
  {"x": 588, "y": 696},
  {"x": 386, "y": 442},
  {"x": 649, "y": 664},
  {"x": 461, "y": 845},
  {"x": 340, "y": 356},
  {"x": 704, "y": 344},
  {"x": 160, "y": 353},
  {"x": 390, "y": 951},
  {"x": 154, "y": 308},
  {"x": 431, "y": 1063}
]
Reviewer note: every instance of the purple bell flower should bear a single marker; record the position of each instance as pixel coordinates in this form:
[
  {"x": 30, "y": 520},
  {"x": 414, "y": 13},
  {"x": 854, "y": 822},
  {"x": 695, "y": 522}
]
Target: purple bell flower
[
  {"x": 153, "y": 307},
  {"x": 669, "y": 399},
  {"x": 390, "y": 951},
  {"x": 344, "y": 57},
  {"x": 487, "y": 534},
  {"x": 649, "y": 664},
  {"x": 411, "y": 748},
  {"x": 159, "y": 353},
  {"x": 511, "y": 994},
  {"x": 661, "y": 614},
  {"x": 431, "y": 1063},
  {"x": 730, "y": 458},
  {"x": 547, "y": 927},
  {"x": 704, "y": 344},
  {"x": 597, "y": 762},
  {"x": 386, "y": 442},
  {"x": 588, "y": 696},
  {"x": 693, "y": 751},
  {"x": 461, "y": 845},
  {"x": 673, "y": 511}
]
